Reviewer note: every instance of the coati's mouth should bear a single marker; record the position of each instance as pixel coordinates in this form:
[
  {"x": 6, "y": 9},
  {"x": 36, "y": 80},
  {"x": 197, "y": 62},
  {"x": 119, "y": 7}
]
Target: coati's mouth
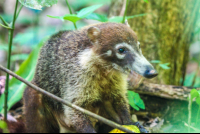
[{"x": 149, "y": 73}]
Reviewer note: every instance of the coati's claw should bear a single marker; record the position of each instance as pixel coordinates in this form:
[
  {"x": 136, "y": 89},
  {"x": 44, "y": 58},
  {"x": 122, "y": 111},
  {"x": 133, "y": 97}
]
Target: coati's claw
[{"x": 142, "y": 129}]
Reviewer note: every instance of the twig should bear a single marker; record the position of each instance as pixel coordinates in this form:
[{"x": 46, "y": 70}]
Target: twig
[
  {"x": 195, "y": 129},
  {"x": 4, "y": 22},
  {"x": 197, "y": 117},
  {"x": 6, "y": 26},
  {"x": 71, "y": 13},
  {"x": 20, "y": 8},
  {"x": 102, "y": 119},
  {"x": 189, "y": 112},
  {"x": 8, "y": 61}
]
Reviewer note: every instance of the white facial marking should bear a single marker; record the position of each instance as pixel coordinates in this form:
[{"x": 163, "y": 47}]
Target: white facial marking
[
  {"x": 124, "y": 45},
  {"x": 85, "y": 56},
  {"x": 140, "y": 63},
  {"x": 109, "y": 53},
  {"x": 120, "y": 56},
  {"x": 121, "y": 45}
]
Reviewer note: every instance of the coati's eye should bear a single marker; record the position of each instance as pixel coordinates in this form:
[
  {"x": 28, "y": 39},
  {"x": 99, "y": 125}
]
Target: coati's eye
[{"x": 121, "y": 50}]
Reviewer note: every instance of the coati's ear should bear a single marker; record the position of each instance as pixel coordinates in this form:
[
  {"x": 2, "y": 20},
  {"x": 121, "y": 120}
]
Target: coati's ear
[
  {"x": 93, "y": 33},
  {"x": 126, "y": 23}
]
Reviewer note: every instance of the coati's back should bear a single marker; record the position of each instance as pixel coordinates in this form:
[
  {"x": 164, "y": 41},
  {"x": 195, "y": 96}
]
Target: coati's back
[
  {"x": 89, "y": 68},
  {"x": 56, "y": 66}
]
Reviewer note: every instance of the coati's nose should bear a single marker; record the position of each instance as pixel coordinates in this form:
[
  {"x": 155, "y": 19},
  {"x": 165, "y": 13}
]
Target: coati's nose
[{"x": 150, "y": 72}]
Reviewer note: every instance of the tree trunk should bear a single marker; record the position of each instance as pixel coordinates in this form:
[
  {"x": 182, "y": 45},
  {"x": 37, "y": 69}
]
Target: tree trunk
[
  {"x": 165, "y": 33},
  {"x": 117, "y": 8}
]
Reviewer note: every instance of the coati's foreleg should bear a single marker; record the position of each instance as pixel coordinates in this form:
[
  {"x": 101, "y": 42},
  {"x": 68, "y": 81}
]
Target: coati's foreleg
[
  {"x": 79, "y": 121},
  {"x": 122, "y": 109}
]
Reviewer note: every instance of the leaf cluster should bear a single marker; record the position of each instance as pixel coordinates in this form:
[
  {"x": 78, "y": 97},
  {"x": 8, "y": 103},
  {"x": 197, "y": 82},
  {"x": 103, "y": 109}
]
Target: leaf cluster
[{"x": 162, "y": 65}]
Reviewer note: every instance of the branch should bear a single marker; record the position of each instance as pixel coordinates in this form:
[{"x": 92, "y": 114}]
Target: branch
[
  {"x": 6, "y": 26},
  {"x": 11, "y": 32},
  {"x": 20, "y": 8},
  {"x": 164, "y": 91},
  {"x": 124, "y": 16},
  {"x": 102, "y": 119},
  {"x": 71, "y": 13},
  {"x": 4, "y": 22}
]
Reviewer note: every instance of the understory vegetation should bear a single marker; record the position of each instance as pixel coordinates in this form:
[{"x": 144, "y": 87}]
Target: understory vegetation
[{"x": 23, "y": 33}]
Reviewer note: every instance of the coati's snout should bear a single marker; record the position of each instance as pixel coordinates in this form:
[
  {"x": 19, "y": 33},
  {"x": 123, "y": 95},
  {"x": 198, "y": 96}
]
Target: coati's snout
[
  {"x": 120, "y": 49},
  {"x": 150, "y": 72},
  {"x": 130, "y": 57}
]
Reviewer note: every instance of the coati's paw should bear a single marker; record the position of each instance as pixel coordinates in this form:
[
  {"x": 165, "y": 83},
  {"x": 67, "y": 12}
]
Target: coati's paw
[{"x": 142, "y": 129}]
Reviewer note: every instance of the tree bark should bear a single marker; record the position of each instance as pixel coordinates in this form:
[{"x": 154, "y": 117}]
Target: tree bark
[
  {"x": 117, "y": 8},
  {"x": 165, "y": 33},
  {"x": 163, "y": 91}
]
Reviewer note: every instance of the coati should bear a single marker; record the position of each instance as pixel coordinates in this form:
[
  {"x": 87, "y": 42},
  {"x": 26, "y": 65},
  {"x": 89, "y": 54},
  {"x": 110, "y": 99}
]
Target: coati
[{"x": 89, "y": 68}]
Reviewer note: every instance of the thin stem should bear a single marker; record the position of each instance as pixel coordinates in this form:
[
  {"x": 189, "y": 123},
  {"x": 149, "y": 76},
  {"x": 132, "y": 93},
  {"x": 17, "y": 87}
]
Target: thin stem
[
  {"x": 20, "y": 8},
  {"x": 189, "y": 112},
  {"x": 124, "y": 17},
  {"x": 69, "y": 7},
  {"x": 8, "y": 61},
  {"x": 71, "y": 13},
  {"x": 102, "y": 119},
  {"x": 198, "y": 115},
  {"x": 4, "y": 22},
  {"x": 5, "y": 26}
]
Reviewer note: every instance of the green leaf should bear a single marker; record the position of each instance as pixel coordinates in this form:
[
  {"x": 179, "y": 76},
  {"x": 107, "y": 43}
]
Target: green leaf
[
  {"x": 3, "y": 124},
  {"x": 88, "y": 10},
  {"x": 19, "y": 57},
  {"x": 135, "y": 101},
  {"x": 56, "y": 17},
  {"x": 194, "y": 94},
  {"x": 131, "y": 100},
  {"x": 26, "y": 71},
  {"x": 146, "y": 1},
  {"x": 138, "y": 101},
  {"x": 198, "y": 100},
  {"x": 38, "y": 4},
  {"x": 155, "y": 61},
  {"x": 99, "y": 17},
  {"x": 117, "y": 19},
  {"x": 71, "y": 17},
  {"x": 164, "y": 66}
]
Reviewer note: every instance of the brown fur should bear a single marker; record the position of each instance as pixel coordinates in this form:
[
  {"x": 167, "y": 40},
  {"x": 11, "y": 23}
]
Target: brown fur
[{"x": 78, "y": 67}]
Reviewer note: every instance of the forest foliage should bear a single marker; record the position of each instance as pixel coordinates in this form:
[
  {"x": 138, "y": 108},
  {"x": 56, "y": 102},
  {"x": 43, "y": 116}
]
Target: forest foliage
[{"x": 27, "y": 67}]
